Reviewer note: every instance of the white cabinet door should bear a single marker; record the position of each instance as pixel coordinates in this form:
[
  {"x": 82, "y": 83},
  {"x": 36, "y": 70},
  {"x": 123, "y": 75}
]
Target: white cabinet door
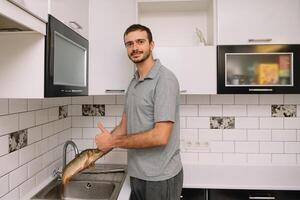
[
  {"x": 22, "y": 65},
  {"x": 73, "y": 13},
  {"x": 258, "y": 21},
  {"x": 109, "y": 66},
  {"x": 195, "y": 67},
  {"x": 38, "y": 8}
]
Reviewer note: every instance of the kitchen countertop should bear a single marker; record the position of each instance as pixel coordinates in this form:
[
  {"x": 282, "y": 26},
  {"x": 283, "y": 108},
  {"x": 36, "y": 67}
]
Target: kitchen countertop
[{"x": 264, "y": 177}]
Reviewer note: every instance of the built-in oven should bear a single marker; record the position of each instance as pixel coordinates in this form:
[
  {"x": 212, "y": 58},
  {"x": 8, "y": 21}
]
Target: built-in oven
[
  {"x": 246, "y": 69},
  {"x": 66, "y": 64}
]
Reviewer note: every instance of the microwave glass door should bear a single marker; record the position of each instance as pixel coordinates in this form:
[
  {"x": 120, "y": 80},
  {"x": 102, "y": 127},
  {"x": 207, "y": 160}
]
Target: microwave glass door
[
  {"x": 259, "y": 69},
  {"x": 69, "y": 57}
]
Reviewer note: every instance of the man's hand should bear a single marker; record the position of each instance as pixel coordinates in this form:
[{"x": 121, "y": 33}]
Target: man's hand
[{"x": 104, "y": 140}]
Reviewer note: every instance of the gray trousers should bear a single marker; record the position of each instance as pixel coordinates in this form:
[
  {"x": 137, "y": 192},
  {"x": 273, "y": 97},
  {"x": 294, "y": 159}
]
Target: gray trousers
[{"x": 169, "y": 189}]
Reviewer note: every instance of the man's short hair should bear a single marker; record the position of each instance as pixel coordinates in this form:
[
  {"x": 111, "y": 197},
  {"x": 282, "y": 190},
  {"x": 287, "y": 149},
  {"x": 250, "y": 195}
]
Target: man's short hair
[{"x": 135, "y": 27}]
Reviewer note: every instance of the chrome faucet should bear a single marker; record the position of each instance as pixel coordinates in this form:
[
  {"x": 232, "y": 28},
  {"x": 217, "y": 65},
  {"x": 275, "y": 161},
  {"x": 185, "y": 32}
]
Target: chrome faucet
[{"x": 65, "y": 152}]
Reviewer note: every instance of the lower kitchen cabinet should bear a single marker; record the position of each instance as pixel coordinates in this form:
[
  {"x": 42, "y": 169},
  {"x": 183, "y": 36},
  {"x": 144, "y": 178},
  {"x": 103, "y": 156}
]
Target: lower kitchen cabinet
[
  {"x": 224, "y": 194},
  {"x": 193, "y": 194}
]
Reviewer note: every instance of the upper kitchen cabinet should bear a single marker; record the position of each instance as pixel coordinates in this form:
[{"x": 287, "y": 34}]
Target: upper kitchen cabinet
[
  {"x": 184, "y": 37},
  {"x": 14, "y": 18},
  {"x": 110, "y": 69},
  {"x": 37, "y": 8},
  {"x": 258, "y": 21},
  {"x": 73, "y": 13}
]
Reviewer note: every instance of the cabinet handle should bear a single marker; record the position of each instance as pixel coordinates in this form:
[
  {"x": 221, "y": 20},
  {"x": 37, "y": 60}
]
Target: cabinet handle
[
  {"x": 260, "y": 40},
  {"x": 265, "y": 198},
  {"x": 183, "y": 91},
  {"x": 77, "y": 26},
  {"x": 260, "y": 89},
  {"x": 114, "y": 91}
]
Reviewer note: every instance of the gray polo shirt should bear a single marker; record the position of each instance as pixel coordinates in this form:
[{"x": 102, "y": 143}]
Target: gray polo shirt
[{"x": 154, "y": 99}]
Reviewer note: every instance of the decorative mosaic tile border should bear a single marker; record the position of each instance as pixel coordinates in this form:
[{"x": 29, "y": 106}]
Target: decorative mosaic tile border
[
  {"x": 284, "y": 110},
  {"x": 222, "y": 122},
  {"x": 93, "y": 109},
  {"x": 18, "y": 140},
  {"x": 63, "y": 112}
]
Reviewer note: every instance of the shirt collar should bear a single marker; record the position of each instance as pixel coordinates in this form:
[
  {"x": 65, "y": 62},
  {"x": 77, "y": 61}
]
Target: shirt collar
[{"x": 152, "y": 73}]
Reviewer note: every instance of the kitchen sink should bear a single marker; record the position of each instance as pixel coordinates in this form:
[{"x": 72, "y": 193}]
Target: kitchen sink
[{"x": 96, "y": 184}]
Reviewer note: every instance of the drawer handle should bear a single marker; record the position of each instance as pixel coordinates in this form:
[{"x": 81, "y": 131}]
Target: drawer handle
[
  {"x": 183, "y": 91},
  {"x": 114, "y": 91},
  {"x": 77, "y": 26},
  {"x": 260, "y": 40},
  {"x": 265, "y": 198}
]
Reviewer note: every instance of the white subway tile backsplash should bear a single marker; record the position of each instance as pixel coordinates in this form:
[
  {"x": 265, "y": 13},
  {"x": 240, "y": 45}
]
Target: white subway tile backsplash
[
  {"x": 292, "y": 123},
  {"x": 90, "y": 132},
  {"x": 234, "y": 158},
  {"x": 222, "y": 99},
  {"x": 114, "y": 110},
  {"x": 116, "y": 157},
  {"x": 34, "y": 104},
  {"x": 53, "y": 141},
  {"x": 182, "y": 122},
  {"x": 245, "y": 99},
  {"x": 34, "y": 166},
  {"x": 27, "y": 120},
  {"x": 27, "y": 186},
  {"x": 84, "y": 143},
  {"x": 53, "y": 114},
  {"x": 189, "y": 134},
  {"x": 247, "y": 147},
  {"x": 210, "y": 158},
  {"x": 210, "y": 110},
  {"x": 292, "y": 99},
  {"x": 197, "y": 99},
  {"x": 3, "y": 106},
  {"x": 47, "y": 130},
  {"x": 9, "y": 124},
  {"x": 259, "y": 110},
  {"x": 188, "y": 110},
  {"x": 271, "y": 147},
  {"x": 234, "y": 134},
  {"x": 189, "y": 157},
  {"x": 259, "y": 158},
  {"x": 41, "y": 147},
  {"x": 246, "y": 122},
  {"x": 197, "y": 122},
  {"x": 42, "y": 176},
  {"x": 47, "y": 102},
  {"x": 259, "y": 135},
  {"x": 284, "y": 135},
  {"x": 11, "y": 161},
  {"x": 76, "y": 133},
  {"x": 284, "y": 158},
  {"x": 234, "y": 110},
  {"x": 105, "y": 99},
  {"x": 76, "y": 110},
  {"x": 18, "y": 176},
  {"x": 47, "y": 158},
  {"x": 58, "y": 126},
  {"x": 12, "y": 195},
  {"x": 182, "y": 99},
  {"x": 292, "y": 147},
  {"x": 271, "y": 99},
  {"x": 108, "y": 122},
  {"x": 4, "y": 185},
  {"x": 3, "y": 145},
  {"x": 17, "y": 105},
  {"x": 210, "y": 135},
  {"x": 78, "y": 122},
  {"x": 41, "y": 116},
  {"x": 221, "y": 146},
  {"x": 82, "y": 100},
  {"x": 27, "y": 154},
  {"x": 271, "y": 123},
  {"x": 34, "y": 134}
]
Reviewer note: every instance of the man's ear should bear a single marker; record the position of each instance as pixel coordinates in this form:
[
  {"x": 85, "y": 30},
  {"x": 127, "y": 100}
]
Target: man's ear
[{"x": 152, "y": 45}]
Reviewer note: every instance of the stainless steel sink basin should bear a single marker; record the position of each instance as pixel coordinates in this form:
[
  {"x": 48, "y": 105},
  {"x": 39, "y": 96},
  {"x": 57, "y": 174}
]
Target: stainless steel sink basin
[{"x": 96, "y": 185}]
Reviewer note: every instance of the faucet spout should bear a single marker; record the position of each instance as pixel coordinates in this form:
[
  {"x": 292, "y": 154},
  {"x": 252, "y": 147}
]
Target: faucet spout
[{"x": 69, "y": 142}]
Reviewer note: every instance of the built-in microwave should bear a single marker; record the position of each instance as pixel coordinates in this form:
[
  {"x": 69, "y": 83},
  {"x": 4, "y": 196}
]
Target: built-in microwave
[
  {"x": 246, "y": 69},
  {"x": 66, "y": 61}
]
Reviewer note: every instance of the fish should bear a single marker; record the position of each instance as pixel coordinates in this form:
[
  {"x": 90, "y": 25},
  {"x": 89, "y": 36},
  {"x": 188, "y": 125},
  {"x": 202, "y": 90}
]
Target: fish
[{"x": 82, "y": 161}]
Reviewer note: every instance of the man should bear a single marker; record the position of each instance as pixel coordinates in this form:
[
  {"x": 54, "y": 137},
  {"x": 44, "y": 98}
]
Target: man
[{"x": 149, "y": 128}]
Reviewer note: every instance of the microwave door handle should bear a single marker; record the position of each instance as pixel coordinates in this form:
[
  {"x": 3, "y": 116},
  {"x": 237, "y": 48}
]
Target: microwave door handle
[
  {"x": 260, "y": 89},
  {"x": 260, "y": 40},
  {"x": 77, "y": 26}
]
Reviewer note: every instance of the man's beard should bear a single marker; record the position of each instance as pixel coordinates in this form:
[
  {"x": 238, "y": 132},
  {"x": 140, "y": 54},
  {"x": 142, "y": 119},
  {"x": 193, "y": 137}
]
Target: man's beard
[{"x": 145, "y": 56}]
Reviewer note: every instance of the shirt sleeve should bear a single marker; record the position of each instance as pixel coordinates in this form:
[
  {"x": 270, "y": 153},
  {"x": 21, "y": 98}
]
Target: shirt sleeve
[{"x": 166, "y": 99}]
